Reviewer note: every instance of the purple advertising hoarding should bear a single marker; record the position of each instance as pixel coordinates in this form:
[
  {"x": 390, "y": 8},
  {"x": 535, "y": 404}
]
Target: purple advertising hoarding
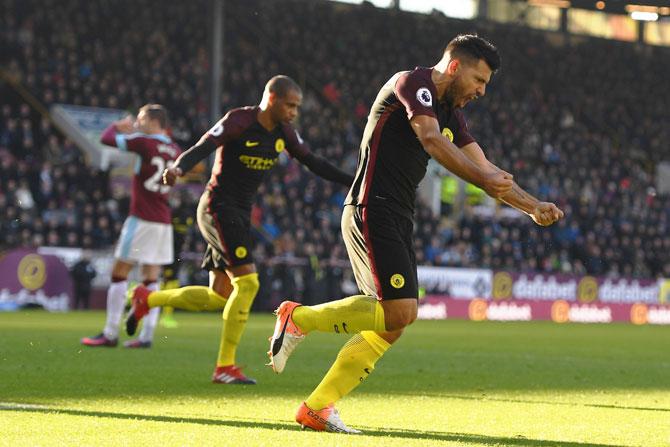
[
  {"x": 540, "y": 296},
  {"x": 584, "y": 289},
  {"x": 439, "y": 307},
  {"x": 27, "y": 277}
]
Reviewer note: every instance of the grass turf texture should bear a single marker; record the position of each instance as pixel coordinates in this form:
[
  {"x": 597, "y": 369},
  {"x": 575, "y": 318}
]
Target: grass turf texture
[{"x": 443, "y": 383}]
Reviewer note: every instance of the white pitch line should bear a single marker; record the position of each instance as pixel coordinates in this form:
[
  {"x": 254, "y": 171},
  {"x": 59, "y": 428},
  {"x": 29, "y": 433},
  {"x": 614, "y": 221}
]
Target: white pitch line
[{"x": 20, "y": 406}]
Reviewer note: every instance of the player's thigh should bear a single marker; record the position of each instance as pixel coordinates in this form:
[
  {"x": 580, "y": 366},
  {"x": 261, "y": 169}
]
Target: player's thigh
[
  {"x": 383, "y": 262},
  {"x": 121, "y": 268},
  {"x": 357, "y": 250},
  {"x": 151, "y": 272},
  {"x": 241, "y": 270},
  {"x": 219, "y": 281}
]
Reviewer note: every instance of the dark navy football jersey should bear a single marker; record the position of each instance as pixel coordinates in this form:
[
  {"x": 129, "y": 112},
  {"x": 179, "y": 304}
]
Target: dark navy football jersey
[
  {"x": 245, "y": 152},
  {"x": 391, "y": 160}
]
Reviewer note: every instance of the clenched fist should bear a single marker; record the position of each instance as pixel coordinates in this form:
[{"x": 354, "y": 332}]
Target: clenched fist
[
  {"x": 126, "y": 125},
  {"x": 170, "y": 175},
  {"x": 546, "y": 213}
]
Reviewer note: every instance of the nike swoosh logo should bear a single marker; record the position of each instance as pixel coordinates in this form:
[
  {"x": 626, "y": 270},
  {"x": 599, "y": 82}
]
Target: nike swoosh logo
[
  {"x": 251, "y": 143},
  {"x": 276, "y": 346}
]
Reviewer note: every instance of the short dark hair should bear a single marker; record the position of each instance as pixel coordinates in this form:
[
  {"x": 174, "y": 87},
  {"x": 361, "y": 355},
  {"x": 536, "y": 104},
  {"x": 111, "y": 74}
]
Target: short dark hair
[
  {"x": 156, "y": 112},
  {"x": 474, "y": 47},
  {"x": 281, "y": 85}
]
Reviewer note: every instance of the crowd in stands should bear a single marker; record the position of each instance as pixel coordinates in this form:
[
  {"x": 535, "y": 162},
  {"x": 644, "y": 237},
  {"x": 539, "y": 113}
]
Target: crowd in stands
[{"x": 578, "y": 121}]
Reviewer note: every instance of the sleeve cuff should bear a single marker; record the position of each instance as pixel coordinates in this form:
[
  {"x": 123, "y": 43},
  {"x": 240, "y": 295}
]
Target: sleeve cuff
[{"x": 121, "y": 142}]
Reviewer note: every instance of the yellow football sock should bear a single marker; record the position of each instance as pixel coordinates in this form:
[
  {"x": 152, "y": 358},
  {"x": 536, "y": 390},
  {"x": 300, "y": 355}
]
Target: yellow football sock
[
  {"x": 348, "y": 315},
  {"x": 235, "y": 316},
  {"x": 194, "y": 298},
  {"x": 355, "y": 361}
]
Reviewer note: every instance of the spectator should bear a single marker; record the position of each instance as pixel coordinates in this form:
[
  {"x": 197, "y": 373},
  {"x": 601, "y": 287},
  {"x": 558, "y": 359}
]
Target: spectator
[{"x": 82, "y": 274}]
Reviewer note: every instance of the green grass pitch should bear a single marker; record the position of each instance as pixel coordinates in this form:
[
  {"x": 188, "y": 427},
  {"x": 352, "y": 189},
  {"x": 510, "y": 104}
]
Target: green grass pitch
[{"x": 444, "y": 383}]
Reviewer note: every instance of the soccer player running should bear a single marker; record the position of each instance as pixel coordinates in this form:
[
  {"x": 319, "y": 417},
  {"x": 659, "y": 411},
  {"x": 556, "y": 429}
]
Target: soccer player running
[
  {"x": 416, "y": 115},
  {"x": 247, "y": 141},
  {"x": 146, "y": 237}
]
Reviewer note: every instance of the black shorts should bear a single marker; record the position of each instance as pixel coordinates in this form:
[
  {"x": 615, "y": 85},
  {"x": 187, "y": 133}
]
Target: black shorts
[
  {"x": 379, "y": 244},
  {"x": 226, "y": 230}
]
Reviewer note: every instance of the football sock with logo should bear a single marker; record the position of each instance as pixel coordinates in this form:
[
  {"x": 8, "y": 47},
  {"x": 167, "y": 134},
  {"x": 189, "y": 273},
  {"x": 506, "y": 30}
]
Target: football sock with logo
[
  {"x": 235, "y": 316},
  {"x": 349, "y": 315},
  {"x": 151, "y": 320},
  {"x": 355, "y": 361},
  {"x": 116, "y": 302},
  {"x": 193, "y": 298}
]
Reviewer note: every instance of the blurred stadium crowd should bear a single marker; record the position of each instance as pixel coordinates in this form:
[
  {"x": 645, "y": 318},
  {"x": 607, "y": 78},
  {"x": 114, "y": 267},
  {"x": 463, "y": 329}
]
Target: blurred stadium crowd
[{"x": 573, "y": 124}]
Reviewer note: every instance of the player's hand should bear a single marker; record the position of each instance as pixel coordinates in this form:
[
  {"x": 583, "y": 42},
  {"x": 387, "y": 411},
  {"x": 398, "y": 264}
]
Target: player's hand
[
  {"x": 170, "y": 175},
  {"x": 126, "y": 125},
  {"x": 546, "y": 213},
  {"x": 498, "y": 183}
]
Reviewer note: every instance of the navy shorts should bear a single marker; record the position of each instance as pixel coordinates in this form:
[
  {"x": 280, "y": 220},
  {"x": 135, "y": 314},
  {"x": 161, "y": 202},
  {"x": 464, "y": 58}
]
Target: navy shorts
[
  {"x": 379, "y": 244},
  {"x": 226, "y": 230}
]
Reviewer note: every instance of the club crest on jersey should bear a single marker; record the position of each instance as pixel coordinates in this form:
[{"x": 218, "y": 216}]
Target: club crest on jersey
[
  {"x": 397, "y": 281},
  {"x": 280, "y": 145},
  {"x": 448, "y": 133},
  {"x": 424, "y": 97},
  {"x": 241, "y": 252}
]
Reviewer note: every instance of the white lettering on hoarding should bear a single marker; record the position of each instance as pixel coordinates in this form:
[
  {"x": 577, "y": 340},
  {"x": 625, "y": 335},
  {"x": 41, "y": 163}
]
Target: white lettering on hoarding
[
  {"x": 23, "y": 297},
  {"x": 509, "y": 312},
  {"x": 540, "y": 288},
  {"x": 588, "y": 313},
  {"x": 621, "y": 291},
  {"x": 436, "y": 311},
  {"x": 657, "y": 315}
]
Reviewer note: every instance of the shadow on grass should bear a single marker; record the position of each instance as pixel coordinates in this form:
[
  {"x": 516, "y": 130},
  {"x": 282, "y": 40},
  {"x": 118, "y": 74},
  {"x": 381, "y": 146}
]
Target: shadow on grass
[
  {"x": 464, "y": 438},
  {"x": 535, "y": 402}
]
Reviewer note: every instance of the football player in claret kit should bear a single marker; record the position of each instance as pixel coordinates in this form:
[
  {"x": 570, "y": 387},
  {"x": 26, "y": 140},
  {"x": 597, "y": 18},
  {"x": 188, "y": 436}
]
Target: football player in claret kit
[
  {"x": 247, "y": 141},
  {"x": 416, "y": 115},
  {"x": 146, "y": 237}
]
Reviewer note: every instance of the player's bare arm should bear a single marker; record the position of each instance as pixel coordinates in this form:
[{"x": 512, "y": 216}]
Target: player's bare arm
[
  {"x": 542, "y": 213},
  {"x": 496, "y": 183}
]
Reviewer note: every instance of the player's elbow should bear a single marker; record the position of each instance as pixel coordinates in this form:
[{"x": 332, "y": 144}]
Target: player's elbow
[{"x": 431, "y": 142}]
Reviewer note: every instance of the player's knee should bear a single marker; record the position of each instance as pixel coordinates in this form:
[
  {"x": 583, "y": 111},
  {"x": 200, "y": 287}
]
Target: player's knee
[
  {"x": 399, "y": 319},
  {"x": 392, "y": 336},
  {"x": 247, "y": 284}
]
